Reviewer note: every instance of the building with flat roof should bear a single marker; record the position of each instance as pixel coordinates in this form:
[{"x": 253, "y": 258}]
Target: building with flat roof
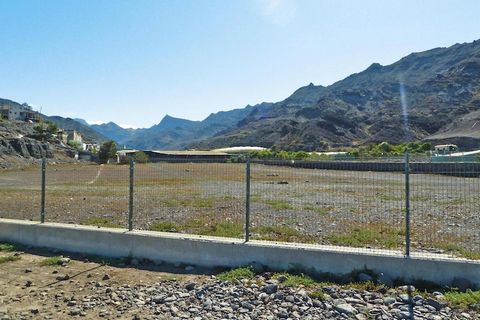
[
  {"x": 175, "y": 156},
  {"x": 18, "y": 112}
]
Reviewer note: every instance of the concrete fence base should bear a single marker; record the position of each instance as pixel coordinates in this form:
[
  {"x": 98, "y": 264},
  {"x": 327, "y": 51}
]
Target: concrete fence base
[{"x": 225, "y": 252}]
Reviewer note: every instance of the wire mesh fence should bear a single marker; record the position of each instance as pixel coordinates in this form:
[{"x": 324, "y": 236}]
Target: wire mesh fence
[
  {"x": 340, "y": 207},
  {"x": 370, "y": 203},
  {"x": 87, "y": 194},
  {"x": 20, "y": 193},
  {"x": 205, "y": 198},
  {"x": 445, "y": 211}
]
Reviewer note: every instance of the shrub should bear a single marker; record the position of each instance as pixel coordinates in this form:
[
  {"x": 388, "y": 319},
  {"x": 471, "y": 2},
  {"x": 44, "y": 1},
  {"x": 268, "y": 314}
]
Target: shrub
[
  {"x": 142, "y": 157},
  {"x": 51, "y": 127},
  {"x": 51, "y": 261},
  {"x": 74, "y": 144},
  {"x": 236, "y": 274},
  {"x": 9, "y": 259}
]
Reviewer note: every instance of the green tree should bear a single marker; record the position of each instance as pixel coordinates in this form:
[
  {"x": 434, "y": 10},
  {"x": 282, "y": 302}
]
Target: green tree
[
  {"x": 45, "y": 128},
  {"x": 142, "y": 157},
  {"x": 38, "y": 128},
  {"x": 107, "y": 151},
  {"x": 52, "y": 127},
  {"x": 74, "y": 144},
  {"x": 385, "y": 147}
]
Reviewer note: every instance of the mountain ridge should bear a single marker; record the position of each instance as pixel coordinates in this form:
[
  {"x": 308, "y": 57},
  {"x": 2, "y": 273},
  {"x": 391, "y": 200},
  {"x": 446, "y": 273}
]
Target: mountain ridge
[
  {"x": 440, "y": 85},
  {"x": 439, "y": 89},
  {"x": 172, "y": 132}
]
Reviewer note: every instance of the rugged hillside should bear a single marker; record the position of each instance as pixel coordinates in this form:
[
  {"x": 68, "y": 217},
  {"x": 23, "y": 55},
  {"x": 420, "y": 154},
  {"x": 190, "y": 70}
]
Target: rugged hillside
[
  {"x": 464, "y": 130},
  {"x": 112, "y": 131},
  {"x": 20, "y": 145},
  {"x": 441, "y": 89},
  {"x": 175, "y": 133}
]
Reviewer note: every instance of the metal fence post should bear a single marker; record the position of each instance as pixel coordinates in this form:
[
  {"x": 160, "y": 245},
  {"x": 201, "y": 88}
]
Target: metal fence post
[
  {"x": 247, "y": 201},
  {"x": 130, "y": 199},
  {"x": 42, "y": 204},
  {"x": 407, "y": 204}
]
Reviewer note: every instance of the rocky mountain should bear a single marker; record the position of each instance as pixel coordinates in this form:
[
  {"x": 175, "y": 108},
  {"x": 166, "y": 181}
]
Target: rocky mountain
[
  {"x": 175, "y": 133},
  {"x": 82, "y": 121},
  {"x": 432, "y": 95},
  {"x": 112, "y": 130}
]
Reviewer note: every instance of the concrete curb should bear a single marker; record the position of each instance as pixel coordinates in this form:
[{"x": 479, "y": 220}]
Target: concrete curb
[{"x": 226, "y": 252}]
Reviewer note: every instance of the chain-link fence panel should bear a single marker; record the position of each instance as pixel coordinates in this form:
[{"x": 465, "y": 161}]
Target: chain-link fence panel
[
  {"x": 20, "y": 193},
  {"x": 87, "y": 194},
  {"x": 198, "y": 197}
]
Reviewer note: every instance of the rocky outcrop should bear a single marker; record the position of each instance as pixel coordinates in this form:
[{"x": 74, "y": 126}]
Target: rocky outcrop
[
  {"x": 19, "y": 146},
  {"x": 26, "y": 147}
]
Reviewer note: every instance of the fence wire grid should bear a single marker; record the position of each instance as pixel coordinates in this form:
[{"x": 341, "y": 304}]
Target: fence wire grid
[{"x": 408, "y": 205}]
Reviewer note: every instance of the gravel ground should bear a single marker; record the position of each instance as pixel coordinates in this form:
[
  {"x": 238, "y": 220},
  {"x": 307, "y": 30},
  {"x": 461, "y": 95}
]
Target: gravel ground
[
  {"x": 79, "y": 289},
  {"x": 314, "y": 204}
]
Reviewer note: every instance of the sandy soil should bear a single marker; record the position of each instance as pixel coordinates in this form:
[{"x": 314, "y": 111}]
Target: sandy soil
[{"x": 29, "y": 289}]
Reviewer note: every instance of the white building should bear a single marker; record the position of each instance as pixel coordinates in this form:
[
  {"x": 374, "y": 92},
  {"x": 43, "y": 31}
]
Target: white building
[{"x": 18, "y": 112}]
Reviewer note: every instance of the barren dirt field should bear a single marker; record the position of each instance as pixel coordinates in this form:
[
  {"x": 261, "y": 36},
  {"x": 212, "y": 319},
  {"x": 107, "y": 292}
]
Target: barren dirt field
[{"x": 353, "y": 208}]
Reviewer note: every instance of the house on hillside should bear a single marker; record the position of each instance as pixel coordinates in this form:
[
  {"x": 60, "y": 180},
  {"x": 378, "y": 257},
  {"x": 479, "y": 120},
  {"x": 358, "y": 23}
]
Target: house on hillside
[
  {"x": 21, "y": 112},
  {"x": 73, "y": 135},
  {"x": 62, "y": 135},
  {"x": 69, "y": 135},
  {"x": 91, "y": 147}
]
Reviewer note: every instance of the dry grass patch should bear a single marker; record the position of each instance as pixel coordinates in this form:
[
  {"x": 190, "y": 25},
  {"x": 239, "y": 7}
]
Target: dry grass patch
[
  {"x": 194, "y": 203},
  {"x": 463, "y": 299},
  {"x": 9, "y": 259},
  {"x": 279, "y": 204},
  {"x": 292, "y": 280},
  {"x": 202, "y": 225},
  {"x": 320, "y": 210},
  {"x": 369, "y": 235},
  {"x": 456, "y": 249},
  {"x": 7, "y": 247},
  {"x": 237, "y": 274},
  {"x": 102, "y": 222},
  {"x": 282, "y": 234}
]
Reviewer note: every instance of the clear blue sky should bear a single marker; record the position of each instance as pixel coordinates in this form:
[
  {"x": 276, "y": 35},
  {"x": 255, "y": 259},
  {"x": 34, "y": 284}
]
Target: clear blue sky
[{"x": 134, "y": 61}]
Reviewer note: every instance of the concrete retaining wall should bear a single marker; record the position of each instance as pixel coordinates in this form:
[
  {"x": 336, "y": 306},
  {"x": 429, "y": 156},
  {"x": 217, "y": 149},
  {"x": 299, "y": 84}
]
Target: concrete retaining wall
[{"x": 212, "y": 251}]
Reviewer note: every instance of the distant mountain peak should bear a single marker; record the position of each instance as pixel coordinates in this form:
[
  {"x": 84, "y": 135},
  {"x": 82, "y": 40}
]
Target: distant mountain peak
[
  {"x": 82, "y": 121},
  {"x": 168, "y": 119},
  {"x": 374, "y": 67}
]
